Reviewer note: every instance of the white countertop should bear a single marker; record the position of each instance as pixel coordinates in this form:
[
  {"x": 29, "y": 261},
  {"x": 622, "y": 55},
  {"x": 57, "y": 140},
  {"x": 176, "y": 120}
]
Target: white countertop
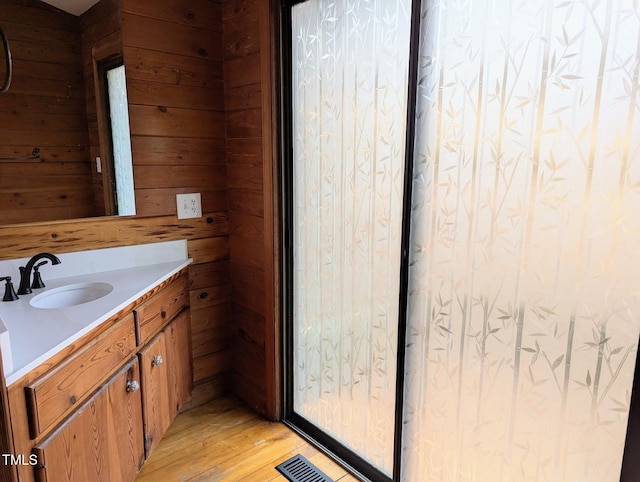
[{"x": 37, "y": 334}]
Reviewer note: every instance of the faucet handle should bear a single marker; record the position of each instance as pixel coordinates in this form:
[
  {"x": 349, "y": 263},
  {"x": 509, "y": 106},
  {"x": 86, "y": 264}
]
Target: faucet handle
[
  {"x": 37, "y": 279},
  {"x": 9, "y": 292},
  {"x": 24, "y": 288}
]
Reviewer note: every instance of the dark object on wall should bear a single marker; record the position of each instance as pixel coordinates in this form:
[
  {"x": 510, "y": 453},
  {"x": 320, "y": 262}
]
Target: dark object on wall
[
  {"x": 35, "y": 156},
  {"x": 8, "y": 63}
]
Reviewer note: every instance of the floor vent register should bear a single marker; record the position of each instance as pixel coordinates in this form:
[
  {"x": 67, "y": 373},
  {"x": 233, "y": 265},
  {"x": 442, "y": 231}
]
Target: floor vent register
[{"x": 299, "y": 469}]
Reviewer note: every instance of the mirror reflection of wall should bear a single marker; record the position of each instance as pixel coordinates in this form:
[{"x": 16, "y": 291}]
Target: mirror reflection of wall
[
  {"x": 55, "y": 104},
  {"x": 120, "y": 141}
]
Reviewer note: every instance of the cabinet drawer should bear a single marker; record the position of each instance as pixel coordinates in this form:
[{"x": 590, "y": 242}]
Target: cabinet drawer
[
  {"x": 53, "y": 395},
  {"x": 156, "y": 312}
]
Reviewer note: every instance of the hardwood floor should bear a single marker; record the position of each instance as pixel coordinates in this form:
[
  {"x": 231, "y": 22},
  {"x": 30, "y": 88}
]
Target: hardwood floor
[{"x": 225, "y": 441}]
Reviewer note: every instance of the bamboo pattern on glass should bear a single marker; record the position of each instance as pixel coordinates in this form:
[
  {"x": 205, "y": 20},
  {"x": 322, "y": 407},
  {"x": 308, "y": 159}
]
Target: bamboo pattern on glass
[
  {"x": 350, "y": 62},
  {"x": 523, "y": 307}
]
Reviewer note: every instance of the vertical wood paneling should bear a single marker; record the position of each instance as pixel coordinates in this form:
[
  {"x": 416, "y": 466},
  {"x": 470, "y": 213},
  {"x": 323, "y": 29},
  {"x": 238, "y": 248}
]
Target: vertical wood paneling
[
  {"x": 242, "y": 69},
  {"x": 248, "y": 30},
  {"x": 269, "y": 27}
]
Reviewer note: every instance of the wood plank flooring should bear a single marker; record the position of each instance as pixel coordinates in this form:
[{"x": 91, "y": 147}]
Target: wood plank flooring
[{"x": 225, "y": 441}]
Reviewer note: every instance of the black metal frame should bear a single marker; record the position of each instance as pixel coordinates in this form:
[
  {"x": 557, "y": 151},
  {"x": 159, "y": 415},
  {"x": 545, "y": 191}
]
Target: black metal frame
[
  {"x": 630, "y": 460},
  {"x": 108, "y": 163},
  {"x": 414, "y": 60},
  {"x": 351, "y": 460}
]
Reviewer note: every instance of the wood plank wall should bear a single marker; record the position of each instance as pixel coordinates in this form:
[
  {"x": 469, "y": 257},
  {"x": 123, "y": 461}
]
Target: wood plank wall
[
  {"x": 44, "y": 108},
  {"x": 173, "y": 61},
  {"x": 101, "y": 28},
  {"x": 249, "y": 130}
]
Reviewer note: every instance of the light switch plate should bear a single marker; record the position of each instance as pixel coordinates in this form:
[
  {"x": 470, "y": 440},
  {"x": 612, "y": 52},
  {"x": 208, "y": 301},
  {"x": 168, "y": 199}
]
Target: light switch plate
[{"x": 189, "y": 205}]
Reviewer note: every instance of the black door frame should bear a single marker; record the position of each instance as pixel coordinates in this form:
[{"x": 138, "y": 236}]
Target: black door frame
[{"x": 347, "y": 457}]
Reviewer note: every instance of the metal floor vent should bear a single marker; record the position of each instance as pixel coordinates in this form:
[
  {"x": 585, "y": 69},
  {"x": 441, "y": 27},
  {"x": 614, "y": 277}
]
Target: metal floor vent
[{"x": 299, "y": 469}]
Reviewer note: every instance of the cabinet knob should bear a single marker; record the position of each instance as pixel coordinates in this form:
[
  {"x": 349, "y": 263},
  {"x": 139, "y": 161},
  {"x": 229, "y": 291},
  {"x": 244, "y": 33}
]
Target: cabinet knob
[
  {"x": 157, "y": 360},
  {"x": 133, "y": 386}
]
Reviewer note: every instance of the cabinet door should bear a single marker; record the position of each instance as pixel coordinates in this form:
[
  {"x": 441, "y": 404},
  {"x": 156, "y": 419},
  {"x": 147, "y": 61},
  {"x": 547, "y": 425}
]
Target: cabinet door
[
  {"x": 167, "y": 378},
  {"x": 102, "y": 440},
  {"x": 157, "y": 411},
  {"x": 178, "y": 341}
]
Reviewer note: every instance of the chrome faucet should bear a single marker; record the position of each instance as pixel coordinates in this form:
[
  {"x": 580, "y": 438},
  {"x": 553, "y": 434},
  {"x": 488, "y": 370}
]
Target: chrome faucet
[{"x": 25, "y": 271}]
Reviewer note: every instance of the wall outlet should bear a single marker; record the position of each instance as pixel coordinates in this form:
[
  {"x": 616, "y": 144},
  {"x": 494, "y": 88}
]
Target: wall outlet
[{"x": 189, "y": 205}]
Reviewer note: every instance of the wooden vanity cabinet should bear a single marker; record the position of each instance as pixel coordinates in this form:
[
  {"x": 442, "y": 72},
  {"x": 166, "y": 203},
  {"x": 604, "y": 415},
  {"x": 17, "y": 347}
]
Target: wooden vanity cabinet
[
  {"x": 94, "y": 411},
  {"x": 102, "y": 440}
]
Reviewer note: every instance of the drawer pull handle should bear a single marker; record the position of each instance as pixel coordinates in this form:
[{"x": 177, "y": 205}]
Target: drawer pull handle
[
  {"x": 133, "y": 386},
  {"x": 163, "y": 314},
  {"x": 157, "y": 361}
]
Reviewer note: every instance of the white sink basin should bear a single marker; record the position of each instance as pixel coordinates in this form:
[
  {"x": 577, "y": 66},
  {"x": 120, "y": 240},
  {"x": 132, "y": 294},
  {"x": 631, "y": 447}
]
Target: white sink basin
[{"x": 71, "y": 295}]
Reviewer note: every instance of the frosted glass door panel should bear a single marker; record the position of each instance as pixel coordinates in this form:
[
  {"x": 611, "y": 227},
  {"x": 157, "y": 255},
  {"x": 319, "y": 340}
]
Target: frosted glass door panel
[
  {"x": 350, "y": 68},
  {"x": 525, "y": 246}
]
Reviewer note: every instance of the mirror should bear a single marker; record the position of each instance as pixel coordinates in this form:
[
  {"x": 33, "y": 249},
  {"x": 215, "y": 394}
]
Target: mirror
[{"x": 56, "y": 149}]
